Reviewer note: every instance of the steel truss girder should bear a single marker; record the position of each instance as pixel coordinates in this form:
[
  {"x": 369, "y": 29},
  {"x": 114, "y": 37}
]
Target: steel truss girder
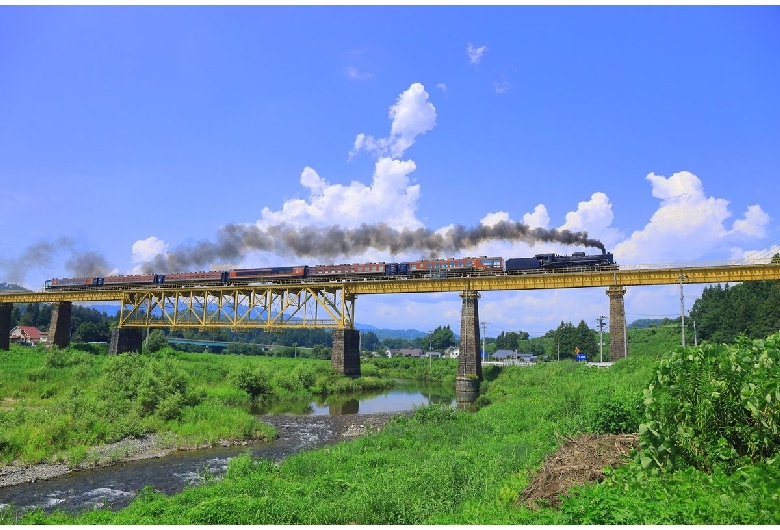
[{"x": 267, "y": 307}]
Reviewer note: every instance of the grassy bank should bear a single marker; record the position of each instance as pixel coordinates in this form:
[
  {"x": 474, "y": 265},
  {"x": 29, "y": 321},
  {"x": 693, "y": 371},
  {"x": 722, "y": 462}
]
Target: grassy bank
[
  {"x": 55, "y": 405},
  {"x": 444, "y": 466}
]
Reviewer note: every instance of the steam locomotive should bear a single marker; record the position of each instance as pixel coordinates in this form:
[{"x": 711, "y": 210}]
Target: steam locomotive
[{"x": 436, "y": 268}]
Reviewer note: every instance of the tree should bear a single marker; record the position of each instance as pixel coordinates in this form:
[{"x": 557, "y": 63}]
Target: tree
[
  {"x": 442, "y": 338},
  {"x": 369, "y": 341},
  {"x": 586, "y": 339},
  {"x": 511, "y": 340},
  {"x": 30, "y": 315},
  {"x": 565, "y": 340},
  {"x": 92, "y": 332},
  {"x": 156, "y": 341}
]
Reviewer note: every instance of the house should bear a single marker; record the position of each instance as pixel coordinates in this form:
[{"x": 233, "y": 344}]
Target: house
[
  {"x": 28, "y": 336},
  {"x": 503, "y": 355},
  {"x": 405, "y": 352}
]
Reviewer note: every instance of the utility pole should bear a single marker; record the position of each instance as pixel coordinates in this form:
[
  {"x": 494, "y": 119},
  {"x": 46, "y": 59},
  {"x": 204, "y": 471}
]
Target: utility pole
[
  {"x": 695, "y": 341},
  {"x": 682, "y": 309},
  {"x": 601, "y": 338}
]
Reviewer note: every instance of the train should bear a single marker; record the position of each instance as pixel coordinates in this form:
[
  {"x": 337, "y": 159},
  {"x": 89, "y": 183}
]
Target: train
[{"x": 432, "y": 268}]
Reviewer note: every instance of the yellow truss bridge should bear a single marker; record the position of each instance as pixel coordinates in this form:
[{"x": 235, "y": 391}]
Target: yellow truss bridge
[{"x": 317, "y": 304}]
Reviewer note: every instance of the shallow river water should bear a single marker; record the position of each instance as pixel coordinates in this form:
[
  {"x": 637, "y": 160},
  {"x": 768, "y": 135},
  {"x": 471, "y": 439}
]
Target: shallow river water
[{"x": 301, "y": 426}]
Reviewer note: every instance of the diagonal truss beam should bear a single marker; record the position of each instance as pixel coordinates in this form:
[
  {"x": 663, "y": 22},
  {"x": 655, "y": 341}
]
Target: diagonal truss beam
[{"x": 267, "y": 307}]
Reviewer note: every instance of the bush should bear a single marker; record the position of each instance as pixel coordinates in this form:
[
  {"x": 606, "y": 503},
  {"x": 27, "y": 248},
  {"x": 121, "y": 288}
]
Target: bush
[
  {"x": 146, "y": 386},
  {"x": 254, "y": 382},
  {"x": 713, "y": 407},
  {"x": 616, "y": 414}
]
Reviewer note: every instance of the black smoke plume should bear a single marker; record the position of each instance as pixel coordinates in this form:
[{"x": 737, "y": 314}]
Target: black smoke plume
[
  {"x": 40, "y": 256},
  {"x": 234, "y": 241}
]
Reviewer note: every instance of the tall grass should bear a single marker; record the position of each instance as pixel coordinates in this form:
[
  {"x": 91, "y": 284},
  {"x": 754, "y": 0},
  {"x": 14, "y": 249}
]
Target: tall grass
[{"x": 54, "y": 401}]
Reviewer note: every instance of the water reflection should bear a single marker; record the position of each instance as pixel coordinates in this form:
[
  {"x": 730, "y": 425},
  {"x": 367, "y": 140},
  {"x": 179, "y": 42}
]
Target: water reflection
[
  {"x": 405, "y": 395},
  {"x": 117, "y": 485}
]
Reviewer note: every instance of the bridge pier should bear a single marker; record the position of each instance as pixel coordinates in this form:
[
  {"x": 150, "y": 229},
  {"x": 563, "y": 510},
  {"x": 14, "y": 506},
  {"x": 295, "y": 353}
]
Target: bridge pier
[
  {"x": 59, "y": 328},
  {"x": 124, "y": 340},
  {"x": 345, "y": 357},
  {"x": 469, "y": 359},
  {"x": 618, "y": 348},
  {"x": 5, "y": 326}
]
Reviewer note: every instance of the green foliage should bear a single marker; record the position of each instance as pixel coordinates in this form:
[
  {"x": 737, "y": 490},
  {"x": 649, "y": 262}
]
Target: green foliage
[
  {"x": 750, "y": 308},
  {"x": 146, "y": 386},
  {"x": 254, "y": 381},
  {"x": 616, "y": 414},
  {"x": 686, "y": 497},
  {"x": 714, "y": 406},
  {"x": 510, "y": 340},
  {"x": 156, "y": 341},
  {"x": 569, "y": 339},
  {"x": 440, "y": 465}
]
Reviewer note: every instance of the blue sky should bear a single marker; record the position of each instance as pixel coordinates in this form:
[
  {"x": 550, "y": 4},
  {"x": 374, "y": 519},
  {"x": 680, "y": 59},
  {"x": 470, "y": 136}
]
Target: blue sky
[{"x": 134, "y": 132}]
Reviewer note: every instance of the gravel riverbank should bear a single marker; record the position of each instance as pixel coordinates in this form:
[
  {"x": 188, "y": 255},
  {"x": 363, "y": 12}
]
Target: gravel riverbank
[{"x": 312, "y": 431}]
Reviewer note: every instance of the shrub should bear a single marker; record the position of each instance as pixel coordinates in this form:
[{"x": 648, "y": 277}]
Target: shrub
[
  {"x": 713, "y": 406},
  {"x": 254, "y": 382},
  {"x": 616, "y": 414}
]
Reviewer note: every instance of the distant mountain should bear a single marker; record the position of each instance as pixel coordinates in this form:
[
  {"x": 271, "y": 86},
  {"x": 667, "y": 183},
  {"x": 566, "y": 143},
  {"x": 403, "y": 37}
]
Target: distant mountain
[
  {"x": 109, "y": 309},
  {"x": 12, "y": 287},
  {"x": 644, "y": 323},
  {"x": 408, "y": 334}
]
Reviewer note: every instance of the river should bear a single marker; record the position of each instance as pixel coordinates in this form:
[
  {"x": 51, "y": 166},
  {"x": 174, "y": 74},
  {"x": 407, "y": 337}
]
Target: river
[{"x": 301, "y": 426}]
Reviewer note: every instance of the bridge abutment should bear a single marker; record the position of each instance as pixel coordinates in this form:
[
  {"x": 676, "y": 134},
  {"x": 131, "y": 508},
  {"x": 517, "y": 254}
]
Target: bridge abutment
[
  {"x": 59, "y": 328},
  {"x": 124, "y": 340},
  {"x": 5, "y": 326},
  {"x": 618, "y": 348},
  {"x": 345, "y": 356},
  {"x": 469, "y": 359}
]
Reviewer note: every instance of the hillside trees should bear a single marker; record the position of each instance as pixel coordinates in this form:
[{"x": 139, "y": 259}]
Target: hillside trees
[
  {"x": 510, "y": 340},
  {"x": 723, "y": 313}
]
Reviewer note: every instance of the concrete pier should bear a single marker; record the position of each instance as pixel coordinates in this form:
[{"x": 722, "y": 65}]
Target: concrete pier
[
  {"x": 5, "y": 326},
  {"x": 124, "y": 340},
  {"x": 618, "y": 348},
  {"x": 59, "y": 328},
  {"x": 469, "y": 359},
  {"x": 345, "y": 357}
]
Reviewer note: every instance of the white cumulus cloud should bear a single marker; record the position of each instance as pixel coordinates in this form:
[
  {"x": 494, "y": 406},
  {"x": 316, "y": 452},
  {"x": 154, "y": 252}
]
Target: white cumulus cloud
[
  {"x": 687, "y": 224},
  {"x": 411, "y": 115},
  {"x": 146, "y": 249},
  {"x": 539, "y": 218}
]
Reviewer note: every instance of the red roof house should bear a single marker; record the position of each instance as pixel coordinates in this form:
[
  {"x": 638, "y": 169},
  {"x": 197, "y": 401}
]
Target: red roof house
[{"x": 27, "y": 335}]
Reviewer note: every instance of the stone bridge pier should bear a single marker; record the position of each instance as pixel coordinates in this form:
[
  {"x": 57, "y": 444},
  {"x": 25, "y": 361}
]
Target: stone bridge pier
[
  {"x": 469, "y": 358},
  {"x": 618, "y": 347},
  {"x": 59, "y": 328},
  {"x": 345, "y": 356},
  {"x": 125, "y": 340},
  {"x": 5, "y": 326}
]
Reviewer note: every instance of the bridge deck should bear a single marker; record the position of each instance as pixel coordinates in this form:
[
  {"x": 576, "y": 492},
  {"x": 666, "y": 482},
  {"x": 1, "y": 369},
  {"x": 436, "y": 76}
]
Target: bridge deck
[{"x": 626, "y": 276}]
